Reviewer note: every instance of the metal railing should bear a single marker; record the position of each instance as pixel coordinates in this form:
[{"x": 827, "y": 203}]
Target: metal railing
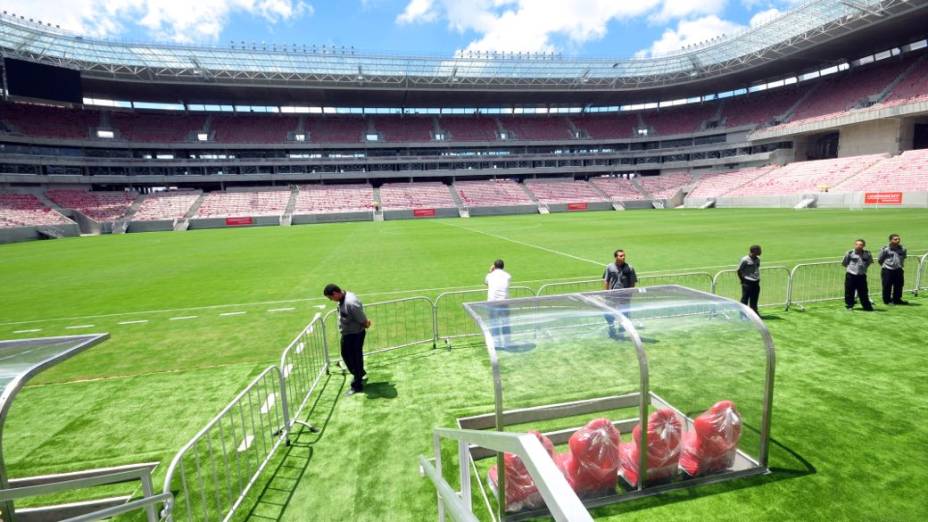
[
  {"x": 775, "y": 285},
  {"x": 303, "y": 364},
  {"x": 451, "y": 321},
  {"x": 218, "y": 466},
  {"x": 921, "y": 276},
  {"x": 569, "y": 287},
  {"x": 824, "y": 281},
  {"x": 395, "y": 324},
  {"x": 695, "y": 280}
]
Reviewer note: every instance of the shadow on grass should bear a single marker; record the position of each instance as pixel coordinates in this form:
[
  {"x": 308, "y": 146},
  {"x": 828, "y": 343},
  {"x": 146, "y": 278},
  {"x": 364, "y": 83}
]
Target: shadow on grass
[
  {"x": 287, "y": 469},
  {"x": 380, "y": 390}
]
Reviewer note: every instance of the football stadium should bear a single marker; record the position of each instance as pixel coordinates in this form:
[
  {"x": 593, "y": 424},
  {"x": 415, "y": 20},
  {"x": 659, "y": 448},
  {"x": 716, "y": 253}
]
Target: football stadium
[{"x": 170, "y": 215}]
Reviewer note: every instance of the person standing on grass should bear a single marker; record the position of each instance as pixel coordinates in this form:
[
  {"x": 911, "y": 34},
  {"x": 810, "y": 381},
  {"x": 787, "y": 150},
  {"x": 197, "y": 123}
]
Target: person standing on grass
[
  {"x": 353, "y": 325},
  {"x": 855, "y": 279},
  {"x": 497, "y": 281},
  {"x": 749, "y": 274},
  {"x": 618, "y": 275},
  {"x": 892, "y": 260}
]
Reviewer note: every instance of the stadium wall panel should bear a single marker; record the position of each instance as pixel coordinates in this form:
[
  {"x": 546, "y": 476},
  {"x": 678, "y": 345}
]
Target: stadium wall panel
[
  {"x": 591, "y": 205},
  {"x": 408, "y": 214},
  {"x": 503, "y": 210},
  {"x": 638, "y": 204},
  {"x": 13, "y": 235},
  {"x": 309, "y": 219},
  {"x": 257, "y": 221},
  {"x": 163, "y": 225},
  {"x": 872, "y": 137}
]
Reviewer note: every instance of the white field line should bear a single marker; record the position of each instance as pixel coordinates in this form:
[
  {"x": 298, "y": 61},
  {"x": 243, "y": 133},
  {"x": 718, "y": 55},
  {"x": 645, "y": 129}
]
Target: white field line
[
  {"x": 246, "y": 443},
  {"x": 33, "y": 330},
  {"x": 140, "y": 321},
  {"x": 78, "y": 327},
  {"x": 592, "y": 275},
  {"x": 287, "y": 369},
  {"x": 269, "y": 403},
  {"x": 523, "y": 243},
  {"x": 227, "y": 314},
  {"x": 288, "y": 309},
  {"x": 183, "y": 318}
]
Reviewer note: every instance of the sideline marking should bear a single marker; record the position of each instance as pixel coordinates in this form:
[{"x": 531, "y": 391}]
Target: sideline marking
[
  {"x": 78, "y": 327},
  {"x": 246, "y": 443},
  {"x": 183, "y": 318},
  {"x": 134, "y": 322},
  {"x": 273, "y": 310},
  {"x": 523, "y": 243},
  {"x": 28, "y": 331},
  {"x": 226, "y": 314},
  {"x": 268, "y": 403}
]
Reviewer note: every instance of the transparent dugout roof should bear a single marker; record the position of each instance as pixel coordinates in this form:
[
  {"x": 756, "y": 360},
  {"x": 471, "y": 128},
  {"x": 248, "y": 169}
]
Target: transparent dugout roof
[{"x": 688, "y": 348}]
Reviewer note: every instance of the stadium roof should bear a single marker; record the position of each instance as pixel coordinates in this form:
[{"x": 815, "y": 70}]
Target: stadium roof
[{"x": 813, "y": 33}]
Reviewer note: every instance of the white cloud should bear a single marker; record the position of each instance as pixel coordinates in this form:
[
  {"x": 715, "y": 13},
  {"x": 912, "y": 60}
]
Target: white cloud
[
  {"x": 690, "y": 32},
  {"x": 676, "y": 9},
  {"x": 764, "y": 16},
  {"x": 526, "y": 25},
  {"x": 174, "y": 20}
]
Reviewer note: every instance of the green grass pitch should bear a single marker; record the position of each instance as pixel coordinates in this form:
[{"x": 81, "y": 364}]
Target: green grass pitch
[{"x": 850, "y": 401}]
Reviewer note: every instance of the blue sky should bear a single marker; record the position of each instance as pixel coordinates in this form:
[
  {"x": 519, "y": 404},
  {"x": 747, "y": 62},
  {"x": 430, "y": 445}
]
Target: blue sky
[{"x": 600, "y": 28}]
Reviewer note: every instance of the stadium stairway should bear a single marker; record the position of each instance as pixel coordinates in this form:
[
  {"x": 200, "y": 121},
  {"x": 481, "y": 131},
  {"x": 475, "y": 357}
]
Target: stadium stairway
[
  {"x": 615, "y": 204},
  {"x": 463, "y": 211},
  {"x": 87, "y": 226},
  {"x": 808, "y": 201},
  {"x": 182, "y": 224},
  {"x": 542, "y": 208},
  {"x": 287, "y": 218},
  {"x": 378, "y": 205},
  {"x": 786, "y": 116},
  {"x": 903, "y": 75},
  {"x": 121, "y": 225}
]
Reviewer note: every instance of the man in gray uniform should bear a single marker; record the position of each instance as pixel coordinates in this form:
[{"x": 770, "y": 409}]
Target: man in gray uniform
[
  {"x": 353, "y": 325},
  {"x": 892, "y": 260},
  {"x": 749, "y": 274},
  {"x": 855, "y": 280},
  {"x": 616, "y": 276}
]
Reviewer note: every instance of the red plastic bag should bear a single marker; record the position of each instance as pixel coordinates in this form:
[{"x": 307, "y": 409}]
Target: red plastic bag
[
  {"x": 665, "y": 432},
  {"x": 593, "y": 462},
  {"x": 711, "y": 445},
  {"x": 521, "y": 491}
]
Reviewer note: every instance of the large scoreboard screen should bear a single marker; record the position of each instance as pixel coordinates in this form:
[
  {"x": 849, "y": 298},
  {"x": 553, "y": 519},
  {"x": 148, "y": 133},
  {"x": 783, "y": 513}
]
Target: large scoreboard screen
[{"x": 35, "y": 80}]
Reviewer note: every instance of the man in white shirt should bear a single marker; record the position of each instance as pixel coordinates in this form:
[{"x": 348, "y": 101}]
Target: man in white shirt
[{"x": 497, "y": 282}]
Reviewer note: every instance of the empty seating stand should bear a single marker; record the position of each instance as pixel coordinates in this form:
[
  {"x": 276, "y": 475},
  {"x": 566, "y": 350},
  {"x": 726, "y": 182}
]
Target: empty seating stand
[
  {"x": 251, "y": 128},
  {"x": 403, "y": 129},
  {"x": 716, "y": 184},
  {"x": 665, "y": 186},
  {"x": 806, "y": 176},
  {"x": 153, "y": 127},
  {"x": 618, "y": 189},
  {"x": 240, "y": 204},
  {"x": 550, "y": 128},
  {"x": 165, "y": 206},
  {"x": 679, "y": 120},
  {"x": 469, "y": 128},
  {"x": 907, "y": 172},
  {"x": 336, "y": 129},
  {"x": 98, "y": 206},
  {"x": 25, "y": 210},
  {"x": 607, "y": 126},
  {"x": 49, "y": 122},
  {"x": 424, "y": 195},
  {"x": 493, "y": 193},
  {"x": 334, "y": 199},
  {"x": 568, "y": 191}
]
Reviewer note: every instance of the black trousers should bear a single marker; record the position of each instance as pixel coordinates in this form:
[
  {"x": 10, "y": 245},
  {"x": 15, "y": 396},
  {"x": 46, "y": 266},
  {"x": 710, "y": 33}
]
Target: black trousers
[
  {"x": 353, "y": 356},
  {"x": 856, "y": 284},
  {"x": 750, "y": 293},
  {"x": 893, "y": 282}
]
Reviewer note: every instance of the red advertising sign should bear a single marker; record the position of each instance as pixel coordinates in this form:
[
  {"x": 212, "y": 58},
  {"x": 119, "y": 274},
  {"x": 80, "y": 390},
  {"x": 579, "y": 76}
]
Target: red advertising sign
[
  {"x": 883, "y": 198},
  {"x": 423, "y": 212},
  {"x": 576, "y": 206},
  {"x": 239, "y": 221}
]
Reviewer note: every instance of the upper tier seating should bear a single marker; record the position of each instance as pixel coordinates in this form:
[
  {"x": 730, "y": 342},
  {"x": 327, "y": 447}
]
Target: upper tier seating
[
  {"x": 844, "y": 92},
  {"x": 25, "y": 210},
  {"x": 251, "y": 128},
  {"x": 152, "y": 127},
  {"x": 336, "y": 129},
  {"x": 806, "y": 176},
  {"x": 537, "y": 128},
  {"x": 760, "y": 108},
  {"x": 491, "y": 193},
  {"x": 679, "y": 120},
  {"x": 607, "y": 126},
  {"x": 914, "y": 87},
  {"x": 98, "y": 206},
  {"x": 666, "y": 185},
  {"x": 160, "y": 206},
  {"x": 329, "y": 199},
  {"x": 619, "y": 189},
  {"x": 395, "y": 129},
  {"x": 469, "y": 128},
  {"x": 242, "y": 204},
  {"x": 713, "y": 185},
  {"x": 49, "y": 122},
  {"x": 562, "y": 191},
  {"x": 395, "y": 196},
  {"x": 907, "y": 172}
]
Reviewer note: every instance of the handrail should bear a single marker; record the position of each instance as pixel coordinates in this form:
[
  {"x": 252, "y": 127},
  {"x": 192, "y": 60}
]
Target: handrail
[
  {"x": 55, "y": 487},
  {"x": 560, "y": 498},
  {"x": 122, "y": 508},
  {"x": 458, "y": 510}
]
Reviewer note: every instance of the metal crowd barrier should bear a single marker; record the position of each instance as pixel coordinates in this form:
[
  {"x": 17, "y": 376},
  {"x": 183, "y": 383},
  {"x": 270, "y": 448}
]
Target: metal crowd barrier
[
  {"x": 695, "y": 280},
  {"x": 450, "y": 319},
  {"x": 569, "y": 287},
  {"x": 303, "y": 364},
  {"x": 774, "y": 284},
  {"x": 397, "y": 323},
  {"x": 824, "y": 281},
  {"x": 921, "y": 276},
  {"x": 216, "y": 469}
]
